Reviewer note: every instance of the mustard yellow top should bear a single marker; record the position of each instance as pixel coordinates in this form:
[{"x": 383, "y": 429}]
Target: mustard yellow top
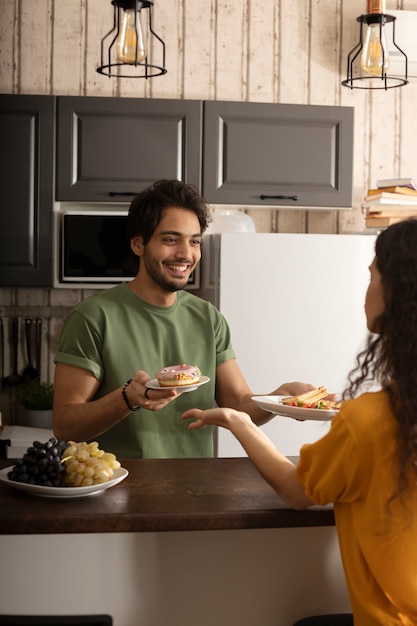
[{"x": 354, "y": 466}]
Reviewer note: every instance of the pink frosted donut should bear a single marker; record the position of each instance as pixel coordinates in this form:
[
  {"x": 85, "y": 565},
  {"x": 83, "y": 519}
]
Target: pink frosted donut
[{"x": 178, "y": 375}]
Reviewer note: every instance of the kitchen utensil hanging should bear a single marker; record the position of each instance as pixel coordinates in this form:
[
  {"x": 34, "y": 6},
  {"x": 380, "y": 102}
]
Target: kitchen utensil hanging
[
  {"x": 2, "y": 352},
  {"x": 38, "y": 345},
  {"x": 14, "y": 377},
  {"x": 29, "y": 373}
]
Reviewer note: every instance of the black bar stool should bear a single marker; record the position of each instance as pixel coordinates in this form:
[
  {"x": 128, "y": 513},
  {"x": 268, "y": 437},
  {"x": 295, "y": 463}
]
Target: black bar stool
[
  {"x": 56, "y": 620},
  {"x": 338, "y": 619}
]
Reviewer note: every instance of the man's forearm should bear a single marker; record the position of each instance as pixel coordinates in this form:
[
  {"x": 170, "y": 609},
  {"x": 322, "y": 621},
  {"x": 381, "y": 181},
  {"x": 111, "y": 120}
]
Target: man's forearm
[{"x": 80, "y": 422}]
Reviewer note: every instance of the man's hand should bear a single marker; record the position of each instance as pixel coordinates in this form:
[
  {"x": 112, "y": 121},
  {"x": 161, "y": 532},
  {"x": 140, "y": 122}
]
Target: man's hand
[
  {"x": 297, "y": 389},
  {"x": 151, "y": 399},
  {"x": 292, "y": 389}
]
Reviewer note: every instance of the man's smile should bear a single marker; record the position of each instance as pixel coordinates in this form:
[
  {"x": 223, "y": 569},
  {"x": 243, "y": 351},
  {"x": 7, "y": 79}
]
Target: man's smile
[{"x": 178, "y": 268}]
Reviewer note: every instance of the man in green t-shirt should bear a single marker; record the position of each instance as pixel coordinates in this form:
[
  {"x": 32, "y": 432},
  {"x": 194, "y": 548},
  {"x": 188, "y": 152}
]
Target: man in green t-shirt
[{"x": 114, "y": 342}]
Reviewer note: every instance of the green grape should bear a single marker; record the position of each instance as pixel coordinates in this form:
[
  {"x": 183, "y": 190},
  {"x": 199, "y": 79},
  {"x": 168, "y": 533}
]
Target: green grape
[{"x": 85, "y": 464}]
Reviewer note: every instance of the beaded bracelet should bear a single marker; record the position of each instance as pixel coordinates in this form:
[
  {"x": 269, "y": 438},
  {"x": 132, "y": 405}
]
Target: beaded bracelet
[{"x": 126, "y": 401}]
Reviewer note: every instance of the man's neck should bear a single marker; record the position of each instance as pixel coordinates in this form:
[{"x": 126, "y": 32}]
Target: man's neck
[{"x": 152, "y": 293}]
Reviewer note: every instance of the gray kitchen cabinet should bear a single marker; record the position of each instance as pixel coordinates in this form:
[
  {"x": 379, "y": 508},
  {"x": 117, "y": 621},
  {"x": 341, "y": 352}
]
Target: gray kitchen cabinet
[
  {"x": 26, "y": 180},
  {"x": 110, "y": 148},
  {"x": 278, "y": 155}
]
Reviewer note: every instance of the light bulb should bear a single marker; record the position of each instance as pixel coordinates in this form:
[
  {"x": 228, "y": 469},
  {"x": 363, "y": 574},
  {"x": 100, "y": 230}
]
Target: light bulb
[
  {"x": 129, "y": 36},
  {"x": 375, "y": 58}
]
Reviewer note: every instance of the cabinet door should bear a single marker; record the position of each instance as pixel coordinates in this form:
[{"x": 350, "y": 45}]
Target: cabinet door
[
  {"x": 110, "y": 148},
  {"x": 26, "y": 179},
  {"x": 255, "y": 152}
]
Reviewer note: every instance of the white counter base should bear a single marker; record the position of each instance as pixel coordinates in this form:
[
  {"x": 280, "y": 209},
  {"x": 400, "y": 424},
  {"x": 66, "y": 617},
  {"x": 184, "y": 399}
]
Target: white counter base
[{"x": 237, "y": 578}]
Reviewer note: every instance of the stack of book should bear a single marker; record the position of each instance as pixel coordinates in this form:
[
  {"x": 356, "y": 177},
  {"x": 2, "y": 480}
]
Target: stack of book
[{"x": 391, "y": 201}]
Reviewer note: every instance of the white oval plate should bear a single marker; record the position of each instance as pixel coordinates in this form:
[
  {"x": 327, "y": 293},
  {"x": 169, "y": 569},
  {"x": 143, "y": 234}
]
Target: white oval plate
[
  {"x": 63, "y": 492},
  {"x": 153, "y": 384},
  {"x": 273, "y": 404}
]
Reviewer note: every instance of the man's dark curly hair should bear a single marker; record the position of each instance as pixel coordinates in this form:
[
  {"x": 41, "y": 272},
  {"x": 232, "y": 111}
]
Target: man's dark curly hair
[
  {"x": 391, "y": 356},
  {"x": 146, "y": 208}
]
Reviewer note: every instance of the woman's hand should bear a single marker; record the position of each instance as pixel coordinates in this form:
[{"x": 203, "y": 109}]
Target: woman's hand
[{"x": 223, "y": 417}]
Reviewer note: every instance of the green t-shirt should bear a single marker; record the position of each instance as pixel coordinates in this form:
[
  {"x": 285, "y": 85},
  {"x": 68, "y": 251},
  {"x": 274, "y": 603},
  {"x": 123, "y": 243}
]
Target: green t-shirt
[{"x": 114, "y": 333}]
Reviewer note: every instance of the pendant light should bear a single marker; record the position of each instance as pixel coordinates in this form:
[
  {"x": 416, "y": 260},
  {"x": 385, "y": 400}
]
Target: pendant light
[
  {"x": 132, "y": 42},
  {"x": 368, "y": 63}
]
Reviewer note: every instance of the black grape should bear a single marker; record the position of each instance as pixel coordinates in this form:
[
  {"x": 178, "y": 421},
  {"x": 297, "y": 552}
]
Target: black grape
[{"x": 41, "y": 464}]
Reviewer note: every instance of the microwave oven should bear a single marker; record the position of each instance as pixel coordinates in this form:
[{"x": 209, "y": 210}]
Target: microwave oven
[{"x": 94, "y": 250}]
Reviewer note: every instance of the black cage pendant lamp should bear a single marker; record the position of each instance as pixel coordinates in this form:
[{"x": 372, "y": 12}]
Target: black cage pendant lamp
[
  {"x": 127, "y": 48},
  {"x": 368, "y": 63}
]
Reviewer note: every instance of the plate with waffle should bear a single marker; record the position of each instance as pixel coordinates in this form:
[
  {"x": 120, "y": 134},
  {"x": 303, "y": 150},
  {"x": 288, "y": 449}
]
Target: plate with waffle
[{"x": 311, "y": 405}]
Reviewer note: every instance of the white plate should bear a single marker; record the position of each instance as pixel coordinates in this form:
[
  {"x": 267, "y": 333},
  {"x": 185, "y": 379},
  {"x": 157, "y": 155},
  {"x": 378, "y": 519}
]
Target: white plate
[
  {"x": 63, "y": 492},
  {"x": 153, "y": 384},
  {"x": 273, "y": 404}
]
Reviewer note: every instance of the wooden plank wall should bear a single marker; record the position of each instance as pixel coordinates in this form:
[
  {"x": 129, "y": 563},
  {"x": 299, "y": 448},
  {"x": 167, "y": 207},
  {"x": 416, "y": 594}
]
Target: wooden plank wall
[{"x": 244, "y": 50}]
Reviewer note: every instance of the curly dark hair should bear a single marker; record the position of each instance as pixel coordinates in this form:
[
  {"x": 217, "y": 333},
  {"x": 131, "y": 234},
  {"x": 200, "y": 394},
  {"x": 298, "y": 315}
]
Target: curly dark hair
[
  {"x": 390, "y": 357},
  {"x": 146, "y": 208}
]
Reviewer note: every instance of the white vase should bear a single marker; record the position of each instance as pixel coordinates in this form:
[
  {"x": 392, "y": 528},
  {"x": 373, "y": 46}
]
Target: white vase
[{"x": 38, "y": 418}]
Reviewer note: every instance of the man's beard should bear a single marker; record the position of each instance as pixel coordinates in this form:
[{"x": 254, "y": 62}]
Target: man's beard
[{"x": 153, "y": 270}]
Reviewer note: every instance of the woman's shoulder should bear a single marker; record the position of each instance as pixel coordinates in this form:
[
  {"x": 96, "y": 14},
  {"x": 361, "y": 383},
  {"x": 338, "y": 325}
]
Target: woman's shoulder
[
  {"x": 370, "y": 412},
  {"x": 370, "y": 400}
]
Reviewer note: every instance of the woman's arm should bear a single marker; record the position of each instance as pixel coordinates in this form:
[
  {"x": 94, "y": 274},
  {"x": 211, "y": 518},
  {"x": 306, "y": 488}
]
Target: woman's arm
[
  {"x": 275, "y": 468},
  {"x": 233, "y": 391}
]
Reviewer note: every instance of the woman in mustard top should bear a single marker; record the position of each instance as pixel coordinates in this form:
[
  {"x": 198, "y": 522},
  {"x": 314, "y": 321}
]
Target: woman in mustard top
[{"x": 366, "y": 465}]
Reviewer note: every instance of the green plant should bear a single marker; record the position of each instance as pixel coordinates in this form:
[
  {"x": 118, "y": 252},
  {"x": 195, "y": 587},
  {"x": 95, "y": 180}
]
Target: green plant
[{"x": 35, "y": 395}]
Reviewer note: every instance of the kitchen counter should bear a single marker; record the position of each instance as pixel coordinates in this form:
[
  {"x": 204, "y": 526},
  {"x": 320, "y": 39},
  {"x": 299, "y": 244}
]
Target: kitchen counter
[
  {"x": 112, "y": 541},
  {"x": 162, "y": 495}
]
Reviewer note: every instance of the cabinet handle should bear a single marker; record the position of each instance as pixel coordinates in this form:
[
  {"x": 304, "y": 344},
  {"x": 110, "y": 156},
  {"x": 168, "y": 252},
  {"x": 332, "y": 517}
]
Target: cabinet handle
[
  {"x": 295, "y": 198},
  {"x": 122, "y": 193}
]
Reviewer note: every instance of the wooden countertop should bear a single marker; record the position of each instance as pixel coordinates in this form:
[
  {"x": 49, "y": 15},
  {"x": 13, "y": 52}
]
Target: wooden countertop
[{"x": 162, "y": 495}]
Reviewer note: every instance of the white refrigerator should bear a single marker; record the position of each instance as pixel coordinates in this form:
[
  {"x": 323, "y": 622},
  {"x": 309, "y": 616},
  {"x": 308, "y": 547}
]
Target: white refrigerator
[{"x": 295, "y": 306}]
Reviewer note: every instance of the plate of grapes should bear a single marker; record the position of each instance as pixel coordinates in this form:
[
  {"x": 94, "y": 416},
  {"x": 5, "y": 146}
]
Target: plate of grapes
[{"x": 59, "y": 469}]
